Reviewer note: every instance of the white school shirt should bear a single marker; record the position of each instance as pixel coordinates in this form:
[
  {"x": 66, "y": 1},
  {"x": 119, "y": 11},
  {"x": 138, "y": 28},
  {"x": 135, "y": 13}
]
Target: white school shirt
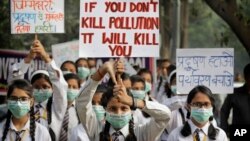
[
  {"x": 60, "y": 86},
  {"x": 147, "y": 132},
  {"x": 41, "y": 132},
  {"x": 79, "y": 133},
  {"x": 161, "y": 94},
  {"x": 175, "y": 135},
  {"x": 73, "y": 119},
  {"x": 139, "y": 117}
]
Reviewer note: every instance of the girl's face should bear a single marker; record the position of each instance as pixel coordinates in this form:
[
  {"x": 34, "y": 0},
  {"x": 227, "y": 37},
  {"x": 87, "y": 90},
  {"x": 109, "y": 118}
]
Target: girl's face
[
  {"x": 21, "y": 95},
  {"x": 147, "y": 77},
  {"x": 82, "y": 63},
  {"x": 41, "y": 84},
  {"x": 96, "y": 100},
  {"x": 73, "y": 84},
  {"x": 69, "y": 67},
  {"x": 138, "y": 86},
  {"x": 201, "y": 100},
  {"x": 127, "y": 83},
  {"x": 115, "y": 107}
]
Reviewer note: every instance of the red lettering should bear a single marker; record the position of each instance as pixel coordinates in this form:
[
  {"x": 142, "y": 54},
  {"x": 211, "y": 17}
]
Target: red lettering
[
  {"x": 115, "y": 6},
  {"x": 87, "y": 37},
  {"x": 118, "y": 50},
  {"x": 114, "y": 38}
]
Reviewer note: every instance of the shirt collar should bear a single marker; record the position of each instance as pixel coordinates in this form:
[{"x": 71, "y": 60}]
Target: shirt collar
[
  {"x": 26, "y": 126},
  {"x": 123, "y": 130},
  {"x": 194, "y": 127},
  {"x": 43, "y": 104}
]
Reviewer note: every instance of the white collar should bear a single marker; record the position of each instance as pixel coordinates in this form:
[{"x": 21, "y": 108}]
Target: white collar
[
  {"x": 26, "y": 126},
  {"x": 43, "y": 104},
  {"x": 194, "y": 127},
  {"x": 123, "y": 130}
]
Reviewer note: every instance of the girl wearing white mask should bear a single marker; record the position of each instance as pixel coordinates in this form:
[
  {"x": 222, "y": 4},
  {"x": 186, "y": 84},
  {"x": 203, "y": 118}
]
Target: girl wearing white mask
[
  {"x": 68, "y": 67},
  {"x": 200, "y": 103},
  {"x": 83, "y": 70},
  {"x": 117, "y": 103},
  {"x": 50, "y": 88},
  {"x": 20, "y": 120}
]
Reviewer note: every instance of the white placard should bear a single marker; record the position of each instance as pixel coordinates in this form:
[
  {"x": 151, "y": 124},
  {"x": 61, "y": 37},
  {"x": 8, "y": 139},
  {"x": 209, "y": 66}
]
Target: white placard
[
  {"x": 119, "y": 28},
  {"x": 212, "y": 67},
  {"x": 32, "y": 16}
]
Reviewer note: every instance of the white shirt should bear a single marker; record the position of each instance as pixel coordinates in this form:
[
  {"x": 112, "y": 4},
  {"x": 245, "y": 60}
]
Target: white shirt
[
  {"x": 139, "y": 117},
  {"x": 147, "y": 132},
  {"x": 41, "y": 132},
  {"x": 175, "y": 135},
  {"x": 60, "y": 87},
  {"x": 73, "y": 119},
  {"x": 78, "y": 133}
]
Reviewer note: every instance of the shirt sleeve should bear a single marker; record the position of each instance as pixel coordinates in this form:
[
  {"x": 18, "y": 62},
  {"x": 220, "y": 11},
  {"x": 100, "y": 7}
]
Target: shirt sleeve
[
  {"x": 59, "y": 104},
  {"x": 152, "y": 130},
  {"x": 18, "y": 70},
  {"x": 84, "y": 107},
  {"x": 79, "y": 134}
]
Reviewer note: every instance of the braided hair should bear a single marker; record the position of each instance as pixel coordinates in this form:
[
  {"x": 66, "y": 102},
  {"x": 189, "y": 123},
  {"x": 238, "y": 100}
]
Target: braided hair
[
  {"x": 104, "y": 135},
  {"x": 212, "y": 131},
  {"x": 27, "y": 87}
]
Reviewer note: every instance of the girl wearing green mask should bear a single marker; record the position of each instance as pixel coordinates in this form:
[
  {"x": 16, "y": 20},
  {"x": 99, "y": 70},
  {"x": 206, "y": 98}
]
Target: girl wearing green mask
[
  {"x": 50, "y": 89},
  {"x": 83, "y": 70},
  {"x": 20, "y": 121},
  {"x": 117, "y": 103},
  {"x": 200, "y": 103}
]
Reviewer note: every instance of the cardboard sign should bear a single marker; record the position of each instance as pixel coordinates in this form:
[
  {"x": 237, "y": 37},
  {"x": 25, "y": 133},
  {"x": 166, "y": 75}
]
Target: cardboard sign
[
  {"x": 119, "y": 28},
  {"x": 32, "y": 16},
  {"x": 213, "y": 68}
]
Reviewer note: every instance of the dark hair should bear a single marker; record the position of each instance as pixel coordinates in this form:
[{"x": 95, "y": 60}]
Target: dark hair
[
  {"x": 73, "y": 76},
  {"x": 144, "y": 70},
  {"x": 80, "y": 59},
  {"x": 212, "y": 131},
  {"x": 65, "y": 62},
  {"x": 104, "y": 135},
  {"x": 124, "y": 76},
  {"x": 137, "y": 78},
  {"x": 101, "y": 88},
  {"x": 247, "y": 72},
  {"x": 27, "y": 87},
  {"x": 39, "y": 76}
]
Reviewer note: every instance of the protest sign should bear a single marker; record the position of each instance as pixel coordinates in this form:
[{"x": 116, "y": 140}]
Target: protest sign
[
  {"x": 31, "y": 16},
  {"x": 213, "y": 68},
  {"x": 119, "y": 28}
]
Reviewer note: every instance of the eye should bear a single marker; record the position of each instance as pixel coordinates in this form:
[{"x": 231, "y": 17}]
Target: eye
[{"x": 124, "y": 108}]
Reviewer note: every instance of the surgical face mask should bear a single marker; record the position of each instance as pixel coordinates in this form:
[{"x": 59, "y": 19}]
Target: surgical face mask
[
  {"x": 72, "y": 94},
  {"x": 174, "y": 89},
  {"x": 201, "y": 115},
  {"x": 83, "y": 72},
  {"x": 139, "y": 94},
  {"x": 118, "y": 121},
  {"x": 18, "y": 109},
  {"x": 66, "y": 72},
  {"x": 99, "y": 111},
  {"x": 41, "y": 95},
  {"x": 148, "y": 87}
]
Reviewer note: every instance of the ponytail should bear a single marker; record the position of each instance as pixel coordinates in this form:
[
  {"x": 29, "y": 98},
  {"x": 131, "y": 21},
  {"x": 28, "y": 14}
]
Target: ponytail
[
  {"x": 131, "y": 136},
  {"x": 212, "y": 131},
  {"x": 104, "y": 135},
  {"x": 32, "y": 124},
  {"x": 7, "y": 125}
]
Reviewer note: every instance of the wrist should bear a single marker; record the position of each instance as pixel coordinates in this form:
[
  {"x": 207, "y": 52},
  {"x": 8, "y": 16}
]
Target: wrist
[{"x": 134, "y": 103}]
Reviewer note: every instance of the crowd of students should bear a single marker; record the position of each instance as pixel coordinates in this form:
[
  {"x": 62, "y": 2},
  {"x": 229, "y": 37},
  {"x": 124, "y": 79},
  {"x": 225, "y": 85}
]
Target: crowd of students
[{"x": 70, "y": 103}]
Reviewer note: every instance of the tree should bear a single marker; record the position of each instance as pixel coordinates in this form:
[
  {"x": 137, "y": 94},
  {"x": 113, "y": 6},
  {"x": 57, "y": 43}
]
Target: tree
[{"x": 233, "y": 13}]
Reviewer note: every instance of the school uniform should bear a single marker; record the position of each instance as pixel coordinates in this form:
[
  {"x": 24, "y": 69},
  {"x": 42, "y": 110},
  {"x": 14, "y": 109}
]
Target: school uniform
[
  {"x": 73, "y": 119},
  {"x": 139, "y": 117},
  {"x": 146, "y": 132},
  {"x": 79, "y": 133},
  {"x": 175, "y": 135},
  {"x": 60, "y": 86},
  {"x": 41, "y": 132}
]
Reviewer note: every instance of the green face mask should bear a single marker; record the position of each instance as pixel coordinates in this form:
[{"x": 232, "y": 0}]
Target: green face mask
[
  {"x": 201, "y": 115},
  {"x": 148, "y": 87},
  {"x": 118, "y": 121},
  {"x": 99, "y": 111},
  {"x": 72, "y": 94},
  {"x": 18, "y": 109},
  {"x": 66, "y": 72},
  {"x": 174, "y": 89},
  {"x": 83, "y": 72},
  {"x": 139, "y": 94},
  {"x": 41, "y": 95}
]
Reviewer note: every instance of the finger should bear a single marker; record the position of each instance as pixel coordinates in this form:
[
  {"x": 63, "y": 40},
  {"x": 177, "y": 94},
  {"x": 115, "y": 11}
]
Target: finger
[
  {"x": 36, "y": 38},
  {"x": 112, "y": 76}
]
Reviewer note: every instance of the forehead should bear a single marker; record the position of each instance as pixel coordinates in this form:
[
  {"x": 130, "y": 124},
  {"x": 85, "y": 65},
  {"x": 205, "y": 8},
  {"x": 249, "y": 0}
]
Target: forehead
[
  {"x": 127, "y": 83},
  {"x": 200, "y": 97},
  {"x": 138, "y": 84},
  {"x": 113, "y": 102},
  {"x": 146, "y": 76},
  {"x": 68, "y": 65},
  {"x": 72, "y": 81},
  {"x": 19, "y": 93},
  {"x": 82, "y": 62},
  {"x": 40, "y": 82}
]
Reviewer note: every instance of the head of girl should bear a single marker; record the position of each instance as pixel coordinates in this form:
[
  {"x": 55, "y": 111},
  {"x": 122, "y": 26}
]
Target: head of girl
[
  {"x": 20, "y": 105},
  {"x": 83, "y": 70},
  {"x": 200, "y": 103},
  {"x": 118, "y": 115},
  {"x": 42, "y": 86},
  {"x": 148, "y": 78},
  {"x": 68, "y": 67},
  {"x": 170, "y": 85},
  {"x": 138, "y": 87},
  {"x": 73, "y": 86},
  {"x": 96, "y": 102},
  {"x": 125, "y": 80}
]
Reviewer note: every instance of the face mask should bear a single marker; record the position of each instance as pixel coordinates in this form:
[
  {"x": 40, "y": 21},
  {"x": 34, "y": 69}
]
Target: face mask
[
  {"x": 148, "y": 87},
  {"x": 72, "y": 94},
  {"x": 83, "y": 72},
  {"x": 41, "y": 95},
  {"x": 118, "y": 121},
  {"x": 66, "y": 72},
  {"x": 139, "y": 94},
  {"x": 99, "y": 111},
  {"x": 174, "y": 89},
  {"x": 18, "y": 109},
  {"x": 201, "y": 115}
]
